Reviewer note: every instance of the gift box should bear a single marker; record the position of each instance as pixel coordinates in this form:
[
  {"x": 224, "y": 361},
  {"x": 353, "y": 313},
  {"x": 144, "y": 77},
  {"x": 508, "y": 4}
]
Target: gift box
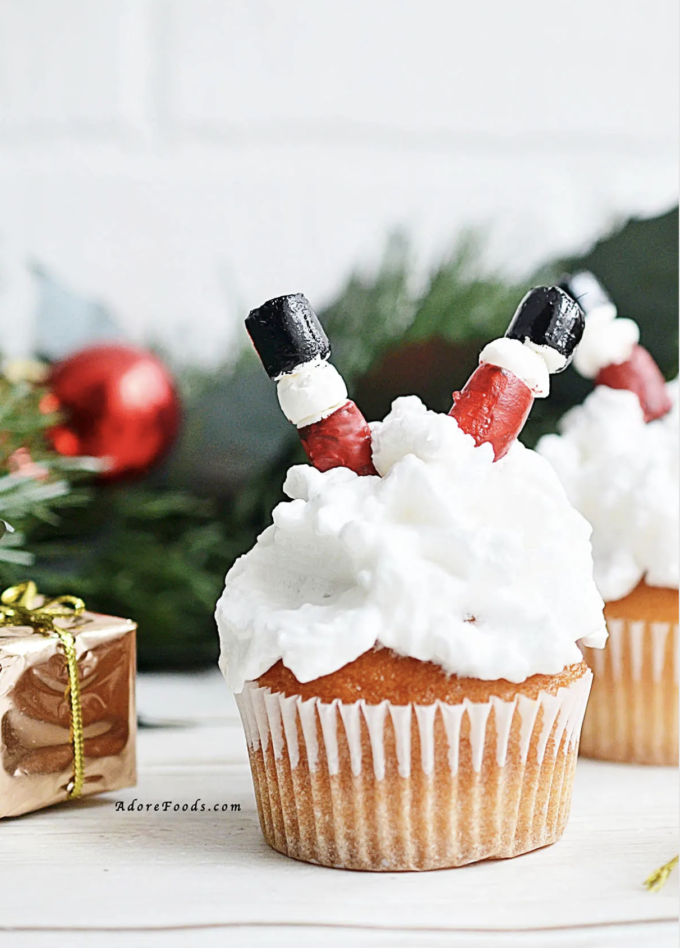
[{"x": 67, "y": 701}]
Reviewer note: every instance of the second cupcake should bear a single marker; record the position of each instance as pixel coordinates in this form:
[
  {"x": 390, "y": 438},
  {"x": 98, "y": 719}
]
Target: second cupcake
[{"x": 617, "y": 456}]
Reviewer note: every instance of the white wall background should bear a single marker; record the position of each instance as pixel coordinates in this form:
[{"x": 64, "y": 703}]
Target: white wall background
[{"x": 182, "y": 160}]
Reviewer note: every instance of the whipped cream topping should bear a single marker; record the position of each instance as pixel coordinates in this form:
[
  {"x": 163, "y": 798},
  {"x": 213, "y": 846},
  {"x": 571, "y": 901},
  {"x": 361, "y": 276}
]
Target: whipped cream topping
[
  {"x": 607, "y": 340},
  {"x": 312, "y": 392},
  {"x": 622, "y": 474},
  {"x": 481, "y": 567},
  {"x": 520, "y": 359},
  {"x": 555, "y": 362}
]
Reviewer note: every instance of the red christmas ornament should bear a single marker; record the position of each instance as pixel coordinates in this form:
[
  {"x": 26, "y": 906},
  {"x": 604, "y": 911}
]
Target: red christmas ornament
[{"x": 120, "y": 404}]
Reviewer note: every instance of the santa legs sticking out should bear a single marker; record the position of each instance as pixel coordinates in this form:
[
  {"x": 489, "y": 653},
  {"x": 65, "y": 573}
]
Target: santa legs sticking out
[
  {"x": 294, "y": 350},
  {"x": 610, "y": 352},
  {"x": 492, "y": 407},
  {"x": 513, "y": 370}
]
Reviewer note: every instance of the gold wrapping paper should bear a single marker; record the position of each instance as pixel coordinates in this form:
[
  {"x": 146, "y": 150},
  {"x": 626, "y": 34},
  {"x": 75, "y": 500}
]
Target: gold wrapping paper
[{"x": 36, "y": 736}]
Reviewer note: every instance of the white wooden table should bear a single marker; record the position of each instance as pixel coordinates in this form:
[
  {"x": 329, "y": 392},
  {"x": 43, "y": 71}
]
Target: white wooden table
[{"x": 85, "y": 873}]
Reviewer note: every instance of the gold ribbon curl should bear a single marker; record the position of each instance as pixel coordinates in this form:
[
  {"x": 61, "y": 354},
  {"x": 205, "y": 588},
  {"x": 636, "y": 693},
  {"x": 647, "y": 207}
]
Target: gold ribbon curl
[
  {"x": 658, "y": 878},
  {"x": 16, "y": 609}
]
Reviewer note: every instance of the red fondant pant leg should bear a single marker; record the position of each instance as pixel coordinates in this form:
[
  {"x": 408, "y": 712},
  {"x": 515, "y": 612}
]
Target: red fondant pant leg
[
  {"x": 640, "y": 374},
  {"x": 341, "y": 440},
  {"x": 493, "y": 407}
]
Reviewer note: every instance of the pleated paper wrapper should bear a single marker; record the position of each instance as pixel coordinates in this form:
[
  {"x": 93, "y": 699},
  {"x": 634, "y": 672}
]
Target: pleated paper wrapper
[
  {"x": 633, "y": 710},
  {"x": 386, "y": 787}
]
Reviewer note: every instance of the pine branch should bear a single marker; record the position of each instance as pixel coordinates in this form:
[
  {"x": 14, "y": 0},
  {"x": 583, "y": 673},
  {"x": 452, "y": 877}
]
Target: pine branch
[{"x": 37, "y": 482}]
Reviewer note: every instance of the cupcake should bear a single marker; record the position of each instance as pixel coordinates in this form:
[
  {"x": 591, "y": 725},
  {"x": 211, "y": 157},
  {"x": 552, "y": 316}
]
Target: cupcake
[
  {"x": 617, "y": 457},
  {"x": 403, "y": 643}
]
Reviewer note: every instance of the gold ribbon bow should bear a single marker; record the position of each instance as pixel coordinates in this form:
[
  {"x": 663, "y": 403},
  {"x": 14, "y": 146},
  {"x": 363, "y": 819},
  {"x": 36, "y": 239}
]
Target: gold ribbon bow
[{"x": 16, "y": 609}]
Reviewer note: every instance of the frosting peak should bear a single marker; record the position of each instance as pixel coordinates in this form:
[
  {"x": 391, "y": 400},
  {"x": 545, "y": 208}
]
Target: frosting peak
[
  {"x": 622, "y": 474},
  {"x": 448, "y": 557}
]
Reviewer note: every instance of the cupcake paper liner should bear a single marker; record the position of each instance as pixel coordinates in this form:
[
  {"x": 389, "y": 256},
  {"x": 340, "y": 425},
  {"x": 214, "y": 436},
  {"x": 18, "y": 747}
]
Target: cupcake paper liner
[
  {"x": 405, "y": 787},
  {"x": 633, "y": 710}
]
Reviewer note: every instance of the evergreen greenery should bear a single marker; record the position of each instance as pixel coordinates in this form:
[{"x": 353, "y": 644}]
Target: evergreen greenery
[{"x": 37, "y": 484}]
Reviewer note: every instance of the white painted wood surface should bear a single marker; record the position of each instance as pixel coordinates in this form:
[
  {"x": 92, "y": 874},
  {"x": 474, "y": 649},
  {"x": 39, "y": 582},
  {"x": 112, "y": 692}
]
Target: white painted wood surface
[{"x": 87, "y": 874}]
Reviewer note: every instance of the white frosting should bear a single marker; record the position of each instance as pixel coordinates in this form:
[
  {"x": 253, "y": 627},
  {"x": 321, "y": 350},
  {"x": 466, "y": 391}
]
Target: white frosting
[
  {"x": 312, "y": 392},
  {"x": 554, "y": 360},
  {"x": 603, "y": 311},
  {"x": 524, "y": 362},
  {"x": 606, "y": 340},
  {"x": 589, "y": 293},
  {"x": 482, "y": 567},
  {"x": 622, "y": 474}
]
